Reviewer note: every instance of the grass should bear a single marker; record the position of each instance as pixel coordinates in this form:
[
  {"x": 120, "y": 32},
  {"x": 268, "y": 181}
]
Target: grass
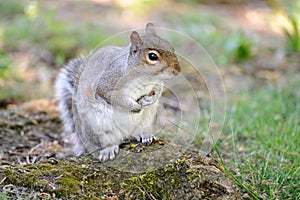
[
  {"x": 264, "y": 144},
  {"x": 4, "y": 63},
  {"x": 3, "y": 195},
  {"x": 225, "y": 45},
  {"x": 26, "y": 27},
  {"x": 293, "y": 36},
  {"x": 32, "y": 25},
  {"x": 11, "y": 8},
  {"x": 291, "y": 10}
]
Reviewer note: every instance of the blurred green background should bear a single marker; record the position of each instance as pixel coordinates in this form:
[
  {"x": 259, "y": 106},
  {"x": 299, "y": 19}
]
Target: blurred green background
[
  {"x": 256, "y": 45},
  {"x": 38, "y": 37}
]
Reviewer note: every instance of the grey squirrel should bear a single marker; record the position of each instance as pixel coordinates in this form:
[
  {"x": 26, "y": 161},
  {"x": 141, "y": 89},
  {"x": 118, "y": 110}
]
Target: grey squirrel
[{"x": 111, "y": 95}]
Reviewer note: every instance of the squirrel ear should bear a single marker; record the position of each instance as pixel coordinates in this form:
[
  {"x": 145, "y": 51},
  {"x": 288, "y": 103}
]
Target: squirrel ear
[
  {"x": 136, "y": 41},
  {"x": 150, "y": 29}
]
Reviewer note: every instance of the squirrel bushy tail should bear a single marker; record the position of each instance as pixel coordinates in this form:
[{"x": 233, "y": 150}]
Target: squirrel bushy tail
[{"x": 65, "y": 87}]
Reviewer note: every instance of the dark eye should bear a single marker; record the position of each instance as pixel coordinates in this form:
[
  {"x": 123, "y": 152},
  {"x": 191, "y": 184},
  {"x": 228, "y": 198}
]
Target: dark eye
[{"x": 152, "y": 56}]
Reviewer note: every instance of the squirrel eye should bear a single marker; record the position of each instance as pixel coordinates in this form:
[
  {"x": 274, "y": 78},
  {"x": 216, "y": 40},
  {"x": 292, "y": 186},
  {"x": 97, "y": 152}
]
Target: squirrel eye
[{"x": 153, "y": 57}]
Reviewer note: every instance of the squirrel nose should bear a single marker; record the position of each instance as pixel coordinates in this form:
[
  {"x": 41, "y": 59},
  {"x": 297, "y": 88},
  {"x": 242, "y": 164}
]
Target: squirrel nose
[{"x": 176, "y": 69}]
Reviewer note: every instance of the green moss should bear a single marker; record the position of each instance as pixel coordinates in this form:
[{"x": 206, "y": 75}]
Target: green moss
[
  {"x": 10, "y": 176},
  {"x": 180, "y": 161},
  {"x": 169, "y": 168},
  {"x": 30, "y": 180},
  {"x": 85, "y": 178},
  {"x": 159, "y": 183},
  {"x": 107, "y": 187},
  {"x": 68, "y": 185},
  {"x": 145, "y": 185}
]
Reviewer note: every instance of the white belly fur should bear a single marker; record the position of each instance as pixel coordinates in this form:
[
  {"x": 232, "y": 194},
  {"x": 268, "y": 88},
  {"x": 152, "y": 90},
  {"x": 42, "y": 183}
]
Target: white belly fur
[
  {"x": 112, "y": 125},
  {"x": 139, "y": 87}
]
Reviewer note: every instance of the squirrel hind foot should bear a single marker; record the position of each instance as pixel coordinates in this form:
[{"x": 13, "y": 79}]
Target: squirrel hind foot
[
  {"x": 108, "y": 153},
  {"x": 146, "y": 139}
]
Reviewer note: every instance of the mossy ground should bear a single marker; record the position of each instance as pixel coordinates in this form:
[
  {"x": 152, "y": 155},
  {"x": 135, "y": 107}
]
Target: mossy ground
[
  {"x": 85, "y": 178},
  {"x": 41, "y": 175}
]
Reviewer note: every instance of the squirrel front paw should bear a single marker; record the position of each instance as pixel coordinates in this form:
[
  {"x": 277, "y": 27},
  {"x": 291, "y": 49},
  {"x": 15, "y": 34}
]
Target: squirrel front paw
[
  {"x": 136, "y": 108},
  {"x": 147, "y": 100},
  {"x": 108, "y": 153}
]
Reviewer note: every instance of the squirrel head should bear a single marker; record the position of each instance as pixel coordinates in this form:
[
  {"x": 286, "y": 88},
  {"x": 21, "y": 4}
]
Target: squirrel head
[{"x": 152, "y": 55}]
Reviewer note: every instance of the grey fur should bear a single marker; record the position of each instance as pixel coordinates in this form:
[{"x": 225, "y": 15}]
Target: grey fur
[{"x": 112, "y": 94}]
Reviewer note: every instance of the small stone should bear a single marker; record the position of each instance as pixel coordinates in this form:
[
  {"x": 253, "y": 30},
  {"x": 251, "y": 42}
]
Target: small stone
[
  {"x": 246, "y": 196},
  {"x": 84, "y": 166},
  {"x": 53, "y": 161}
]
